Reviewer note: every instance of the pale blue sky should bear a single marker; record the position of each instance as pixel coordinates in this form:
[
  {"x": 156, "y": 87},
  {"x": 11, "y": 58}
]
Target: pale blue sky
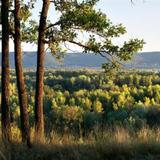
[{"x": 142, "y": 20}]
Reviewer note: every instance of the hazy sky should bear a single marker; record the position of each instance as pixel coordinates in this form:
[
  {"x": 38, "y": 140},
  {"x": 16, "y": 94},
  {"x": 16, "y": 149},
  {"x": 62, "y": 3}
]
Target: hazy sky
[{"x": 142, "y": 20}]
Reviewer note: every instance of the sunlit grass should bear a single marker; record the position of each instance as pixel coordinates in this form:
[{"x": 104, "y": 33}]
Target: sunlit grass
[{"x": 117, "y": 143}]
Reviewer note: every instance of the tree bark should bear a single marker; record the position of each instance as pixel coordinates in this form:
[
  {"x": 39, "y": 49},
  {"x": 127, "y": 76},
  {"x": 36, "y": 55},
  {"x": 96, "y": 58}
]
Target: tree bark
[
  {"x": 39, "y": 117},
  {"x": 23, "y": 99},
  {"x": 5, "y": 79}
]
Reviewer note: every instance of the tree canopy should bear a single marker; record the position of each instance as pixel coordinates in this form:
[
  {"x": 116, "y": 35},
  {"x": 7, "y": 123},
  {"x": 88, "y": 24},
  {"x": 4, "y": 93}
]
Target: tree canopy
[{"x": 81, "y": 17}]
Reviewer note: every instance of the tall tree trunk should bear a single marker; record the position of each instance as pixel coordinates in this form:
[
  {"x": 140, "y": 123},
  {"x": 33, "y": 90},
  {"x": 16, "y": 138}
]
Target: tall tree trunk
[
  {"x": 23, "y": 99},
  {"x": 5, "y": 71},
  {"x": 39, "y": 117}
]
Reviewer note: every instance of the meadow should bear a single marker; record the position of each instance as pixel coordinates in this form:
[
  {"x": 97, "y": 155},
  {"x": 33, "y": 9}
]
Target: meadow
[{"x": 90, "y": 114}]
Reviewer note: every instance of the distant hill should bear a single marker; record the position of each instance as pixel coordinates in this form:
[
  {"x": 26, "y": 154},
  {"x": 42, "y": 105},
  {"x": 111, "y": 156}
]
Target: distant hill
[{"x": 144, "y": 60}]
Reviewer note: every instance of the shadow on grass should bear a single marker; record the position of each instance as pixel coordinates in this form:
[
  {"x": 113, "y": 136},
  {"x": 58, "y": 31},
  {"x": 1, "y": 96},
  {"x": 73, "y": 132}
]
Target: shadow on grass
[{"x": 121, "y": 151}]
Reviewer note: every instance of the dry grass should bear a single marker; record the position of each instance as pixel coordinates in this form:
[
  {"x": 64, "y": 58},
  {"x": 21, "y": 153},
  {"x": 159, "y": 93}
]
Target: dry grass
[{"x": 118, "y": 144}]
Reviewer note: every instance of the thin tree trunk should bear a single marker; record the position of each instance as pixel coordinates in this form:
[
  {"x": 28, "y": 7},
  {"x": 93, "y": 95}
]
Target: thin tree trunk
[
  {"x": 39, "y": 117},
  {"x": 5, "y": 71},
  {"x": 23, "y": 99}
]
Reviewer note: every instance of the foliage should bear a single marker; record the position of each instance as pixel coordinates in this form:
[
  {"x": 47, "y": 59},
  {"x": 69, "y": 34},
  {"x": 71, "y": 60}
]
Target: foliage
[
  {"x": 77, "y": 18},
  {"x": 78, "y": 101}
]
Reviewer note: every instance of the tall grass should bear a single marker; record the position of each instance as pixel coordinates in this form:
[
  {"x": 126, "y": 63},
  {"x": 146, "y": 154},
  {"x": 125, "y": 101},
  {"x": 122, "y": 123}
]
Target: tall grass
[{"x": 117, "y": 143}]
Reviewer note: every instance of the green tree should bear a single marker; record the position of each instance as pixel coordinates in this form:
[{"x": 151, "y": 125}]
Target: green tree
[
  {"x": 78, "y": 17},
  {"x": 18, "y": 14},
  {"x": 39, "y": 119}
]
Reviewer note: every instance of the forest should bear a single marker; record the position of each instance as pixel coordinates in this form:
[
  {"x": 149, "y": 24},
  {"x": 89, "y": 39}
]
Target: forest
[
  {"x": 77, "y": 102},
  {"x": 86, "y": 108},
  {"x": 111, "y": 113}
]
